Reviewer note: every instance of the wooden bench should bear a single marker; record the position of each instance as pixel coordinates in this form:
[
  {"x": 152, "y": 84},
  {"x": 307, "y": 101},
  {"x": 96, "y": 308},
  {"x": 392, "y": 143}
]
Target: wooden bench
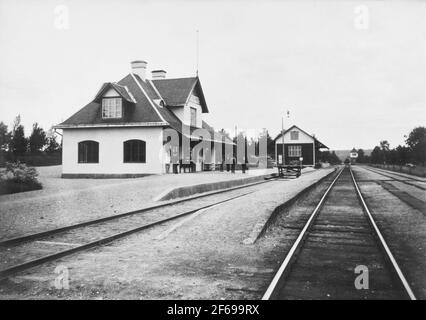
[
  {"x": 209, "y": 167},
  {"x": 190, "y": 166}
]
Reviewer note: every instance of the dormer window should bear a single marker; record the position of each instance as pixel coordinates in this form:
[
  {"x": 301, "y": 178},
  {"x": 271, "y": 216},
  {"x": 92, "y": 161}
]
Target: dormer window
[{"x": 112, "y": 108}]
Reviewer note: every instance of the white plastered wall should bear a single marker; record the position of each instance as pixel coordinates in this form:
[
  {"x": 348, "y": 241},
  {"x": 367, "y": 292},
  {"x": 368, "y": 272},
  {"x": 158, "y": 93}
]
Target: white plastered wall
[
  {"x": 184, "y": 113},
  {"x": 111, "y": 150}
]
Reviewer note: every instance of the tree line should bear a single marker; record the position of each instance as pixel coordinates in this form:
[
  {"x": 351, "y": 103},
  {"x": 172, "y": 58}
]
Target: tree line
[
  {"x": 14, "y": 145},
  {"x": 414, "y": 151},
  {"x": 330, "y": 157}
]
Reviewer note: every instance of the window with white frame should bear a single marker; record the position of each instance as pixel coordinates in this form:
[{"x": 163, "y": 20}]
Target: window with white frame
[
  {"x": 294, "y": 135},
  {"x": 111, "y": 108},
  {"x": 294, "y": 151}
]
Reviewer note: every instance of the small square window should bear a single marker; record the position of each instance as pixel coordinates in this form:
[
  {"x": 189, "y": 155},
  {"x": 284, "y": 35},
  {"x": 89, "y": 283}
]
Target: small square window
[{"x": 294, "y": 135}]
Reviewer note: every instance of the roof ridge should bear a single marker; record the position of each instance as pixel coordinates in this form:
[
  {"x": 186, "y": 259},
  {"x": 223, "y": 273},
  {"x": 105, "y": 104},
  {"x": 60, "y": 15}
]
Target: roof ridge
[
  {"x": 190, "y": 91},
  {"x": 118, "y": 88},
  {"x": 155, "y": 89},
  {"x": 149, "y": 99},
  {"x": 127, "y": 90},
  {"x": 174, "y": 78}
]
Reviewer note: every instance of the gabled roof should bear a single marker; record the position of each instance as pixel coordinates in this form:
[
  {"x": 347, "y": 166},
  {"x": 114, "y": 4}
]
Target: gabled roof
[
  {"x": 143, "y": 112},
  {"x": 147, "y": 86},
  {"x": 317, "y": 142},
  {"x": 176, "y": 92},
  {"x": 144, "y": 99},
  {"x": 123, "y": 91}
]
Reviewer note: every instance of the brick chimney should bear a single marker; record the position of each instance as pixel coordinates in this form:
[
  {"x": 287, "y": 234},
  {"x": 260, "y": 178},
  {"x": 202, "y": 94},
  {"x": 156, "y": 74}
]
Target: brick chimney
[
  {"x": 158, "y": 74},
  {"x": 139, "y": 68}
]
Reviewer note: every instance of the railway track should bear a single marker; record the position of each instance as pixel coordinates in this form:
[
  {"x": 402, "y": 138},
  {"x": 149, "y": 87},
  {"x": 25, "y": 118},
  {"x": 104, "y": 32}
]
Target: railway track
[
  {"x": 22, "y": 253},
  {"x": 408, "y": 180},
  {"x": 403, "y": 175},
  {"x": 339, "y": 243},
  {"x": 38, "y": 235}
]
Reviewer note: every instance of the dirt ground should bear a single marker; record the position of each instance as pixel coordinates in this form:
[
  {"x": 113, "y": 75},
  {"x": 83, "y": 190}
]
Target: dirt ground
[
  {"x": 60, "y": 201},
  {"x": 204, "y": 257},
  {"x": 403, "y": 225},
  {"x": 199, "y": 258}
]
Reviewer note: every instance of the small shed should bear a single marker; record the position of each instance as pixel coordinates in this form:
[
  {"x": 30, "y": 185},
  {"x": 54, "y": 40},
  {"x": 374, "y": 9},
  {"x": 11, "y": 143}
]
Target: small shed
[{"x": 298, "y": 145}]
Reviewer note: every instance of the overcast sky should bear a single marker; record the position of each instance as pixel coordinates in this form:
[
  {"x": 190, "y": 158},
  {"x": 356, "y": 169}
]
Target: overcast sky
[{"x": 350, "y": 80}]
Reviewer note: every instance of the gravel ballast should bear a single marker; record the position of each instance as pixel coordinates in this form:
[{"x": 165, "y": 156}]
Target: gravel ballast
[
  {"x": 202, "y": 257},
  {"x": 62, "y": 202}
]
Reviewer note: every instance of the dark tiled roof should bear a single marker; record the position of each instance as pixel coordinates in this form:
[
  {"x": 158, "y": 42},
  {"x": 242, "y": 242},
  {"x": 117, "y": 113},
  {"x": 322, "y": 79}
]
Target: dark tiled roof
[
  {"x": 140, "y": 107},
  {"x": 85, "y": 115},
  {"x": 175, "y": 92},
  {"x": 141, "y": 111},
  {"x": 171, "y": 118},
  {"x": 319, "y": 143},
  {"x": 144, "y": 110},
  {"x": 146, "y": 85},
  {"x": 124, "y": 92}
]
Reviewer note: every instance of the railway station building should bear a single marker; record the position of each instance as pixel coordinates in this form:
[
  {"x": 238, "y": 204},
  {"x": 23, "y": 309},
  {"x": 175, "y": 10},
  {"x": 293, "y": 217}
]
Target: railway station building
[
  {"x": 298, "y": 146},
  {"x": 124, "y": 130}
]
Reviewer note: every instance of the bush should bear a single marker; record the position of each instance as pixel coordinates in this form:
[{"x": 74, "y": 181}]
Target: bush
[
  {"x": 317, "y": 165},
  {"x": 17, "y": 177}
]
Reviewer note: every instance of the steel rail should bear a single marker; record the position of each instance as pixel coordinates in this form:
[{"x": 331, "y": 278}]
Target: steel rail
[
  {"x": 32, "y": 263},
  {"x": 274, "y": 285},
  {"x": 399, "y": 180},
  {"x": 399, "y": 174},
  {"x": 383, "y": 243},
  {"x": 26, "y": 238}
]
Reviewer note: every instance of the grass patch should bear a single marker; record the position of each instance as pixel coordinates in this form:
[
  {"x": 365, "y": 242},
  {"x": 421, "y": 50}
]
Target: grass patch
[{"x": 7, "y": 187}]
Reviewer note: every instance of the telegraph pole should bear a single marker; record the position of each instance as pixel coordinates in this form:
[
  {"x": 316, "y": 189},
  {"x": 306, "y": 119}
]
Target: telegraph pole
[{"x": 282, "y": 134}]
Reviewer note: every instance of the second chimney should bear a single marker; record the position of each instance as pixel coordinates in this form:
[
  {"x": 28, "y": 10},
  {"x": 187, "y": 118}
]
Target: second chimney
[
  {"x": 139, "y": 68},
  {"x": 158, "y": 74}
]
